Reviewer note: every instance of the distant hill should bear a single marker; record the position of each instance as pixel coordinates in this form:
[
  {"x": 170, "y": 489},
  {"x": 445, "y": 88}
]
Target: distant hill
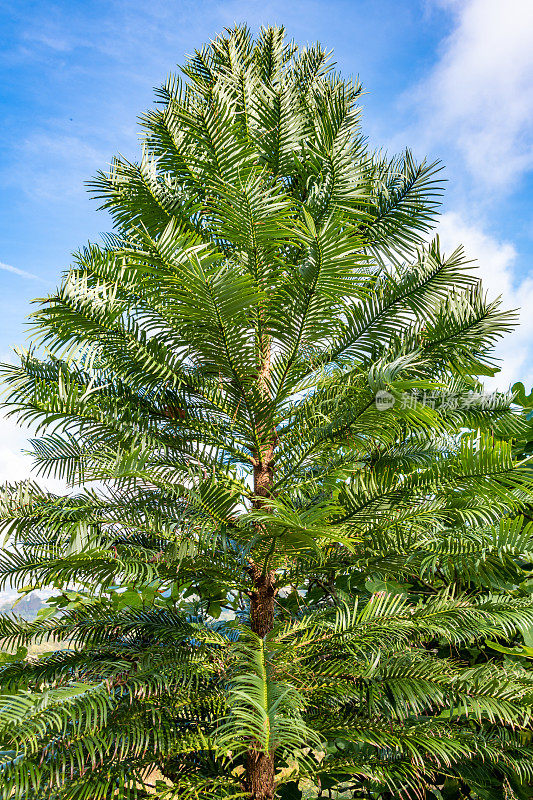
[{"x": 26, "y": 608}]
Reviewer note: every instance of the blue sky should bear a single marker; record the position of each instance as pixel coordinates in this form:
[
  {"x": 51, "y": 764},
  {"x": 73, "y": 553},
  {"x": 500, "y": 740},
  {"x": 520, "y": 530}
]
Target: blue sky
[{"x": 450, "y": 78}]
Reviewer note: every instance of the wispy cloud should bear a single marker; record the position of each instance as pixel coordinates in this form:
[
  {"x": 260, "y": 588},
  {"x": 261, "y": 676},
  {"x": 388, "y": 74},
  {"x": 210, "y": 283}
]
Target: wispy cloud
[
  {"x": 496, "y": 261},
  {"x": 21, "y": 272},
  {"x": 15, "y": 462},
  {"x": 475, "y": 106},
  {"x": 52, "y": 165},
  {"x": 478, "y": 98}
]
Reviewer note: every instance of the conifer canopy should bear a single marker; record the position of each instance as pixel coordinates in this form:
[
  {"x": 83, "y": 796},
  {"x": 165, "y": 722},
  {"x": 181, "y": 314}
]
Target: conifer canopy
[{"x": 292, "y": 544}]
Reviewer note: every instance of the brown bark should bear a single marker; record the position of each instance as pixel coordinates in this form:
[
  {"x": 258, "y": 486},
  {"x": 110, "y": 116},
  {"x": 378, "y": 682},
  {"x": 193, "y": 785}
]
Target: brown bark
[
  {"x": 264, "y": 472},
  {"x": 263, "y": 593},
  {"x": 260, "y": 766},
  {"x": 262, "y": 600},
  {"x": 259, "y": 778},
  {"x": 260, "y": 775}
]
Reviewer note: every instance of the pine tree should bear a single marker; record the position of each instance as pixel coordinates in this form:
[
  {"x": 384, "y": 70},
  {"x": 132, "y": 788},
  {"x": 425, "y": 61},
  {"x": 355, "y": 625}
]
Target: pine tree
[{"x": 292, "y": 514}]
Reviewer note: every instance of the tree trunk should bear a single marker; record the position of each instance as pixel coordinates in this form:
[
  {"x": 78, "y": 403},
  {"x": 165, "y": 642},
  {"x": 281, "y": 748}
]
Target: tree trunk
[
  {"x": 262, "y": 601},
  {"x": 260, "y": 775},
  {"x": 260, "y": 766}
]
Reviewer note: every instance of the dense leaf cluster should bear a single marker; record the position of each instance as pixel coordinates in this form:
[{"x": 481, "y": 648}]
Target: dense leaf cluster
[{"x": 209, "y": 394}]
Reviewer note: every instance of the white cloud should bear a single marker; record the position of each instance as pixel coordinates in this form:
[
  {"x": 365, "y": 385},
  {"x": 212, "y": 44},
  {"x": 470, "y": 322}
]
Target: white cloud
[
  {"x": 496, "y": 266},
  {"x": 53, "y": 166},
  {"x": 479, "y": 95},
  {"x": 477, "y": 103},
  {"x": 21, "y": 272},
  {"x": 15, "y": 464}
]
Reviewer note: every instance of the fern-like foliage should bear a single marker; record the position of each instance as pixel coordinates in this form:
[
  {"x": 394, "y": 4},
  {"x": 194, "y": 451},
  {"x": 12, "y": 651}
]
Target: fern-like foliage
[{"x": 293, "y": 521}]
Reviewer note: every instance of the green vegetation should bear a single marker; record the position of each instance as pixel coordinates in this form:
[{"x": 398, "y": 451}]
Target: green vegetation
[{"x": 271, "y": 582}]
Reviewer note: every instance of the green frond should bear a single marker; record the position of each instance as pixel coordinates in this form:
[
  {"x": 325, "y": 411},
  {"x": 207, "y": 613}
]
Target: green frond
[{"x": 295, "y": 532}]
